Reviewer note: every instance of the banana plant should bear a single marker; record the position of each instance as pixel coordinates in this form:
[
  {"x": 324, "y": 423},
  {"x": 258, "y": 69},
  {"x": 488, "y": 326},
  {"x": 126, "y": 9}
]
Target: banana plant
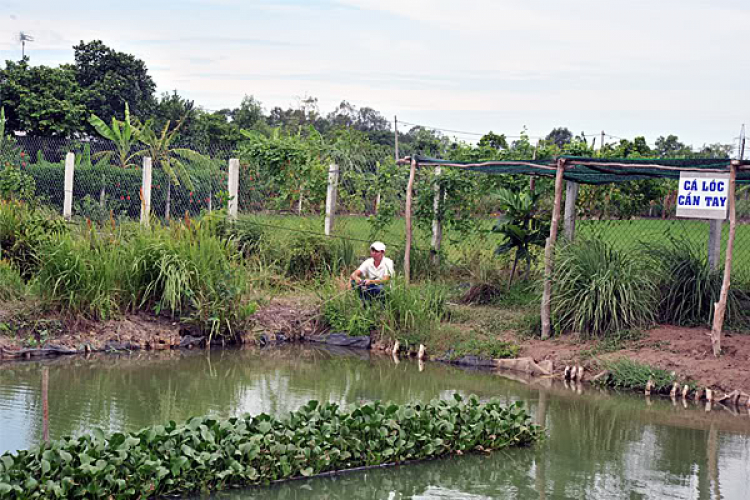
[
  {"x": 160, "y": 147},
  {"x": 124, "y": 136},
  {"x": 521, "y": 225}
]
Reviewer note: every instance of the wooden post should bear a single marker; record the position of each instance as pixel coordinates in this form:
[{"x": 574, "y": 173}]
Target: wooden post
[
  {"x": 714, "y": 243},
  {"x": 70, "y": 162},
  {"x": 437, "y": 223},
  {"x": 233, "y": 186},
  {"x": 532, "y": 177},
  {"x": 549, "y": 251},
  {"x": 407, "y": 248},
  {"x": 720, "y": 307},
  {"x": 146, "y": 192},
  {"x": 571, "y": 195},
  {"x": 333, "y": 179}
]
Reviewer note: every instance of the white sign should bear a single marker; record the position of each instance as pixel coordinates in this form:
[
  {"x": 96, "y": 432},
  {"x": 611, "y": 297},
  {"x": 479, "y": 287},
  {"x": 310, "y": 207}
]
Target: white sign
[{"x": 703, "y": 196}]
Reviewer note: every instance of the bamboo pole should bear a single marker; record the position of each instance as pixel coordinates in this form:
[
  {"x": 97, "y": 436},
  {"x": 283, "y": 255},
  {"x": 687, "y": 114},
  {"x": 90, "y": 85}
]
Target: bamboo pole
[
  {"x": 720, "y": 307},
  {"x": 407, "y": 249},
  {"x": 549, "y": 251}
]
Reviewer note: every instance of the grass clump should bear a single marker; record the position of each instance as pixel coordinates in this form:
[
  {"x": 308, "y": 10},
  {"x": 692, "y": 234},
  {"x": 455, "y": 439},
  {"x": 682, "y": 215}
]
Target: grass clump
[
  {"x": 311, "y": 256},
  {"x": 23, "y": 229},
  {"x": 599, "y": 289},
  {"x": 12, "y": 286},
  {"x": 184, "y": 270},
  {"x": 625, "y": 373},
  {"x": 405, "y": 313},
  {"x": 207, "y": 454},
  {"x": 485, "y": 348},
  {"x": 688, "y": 287}
]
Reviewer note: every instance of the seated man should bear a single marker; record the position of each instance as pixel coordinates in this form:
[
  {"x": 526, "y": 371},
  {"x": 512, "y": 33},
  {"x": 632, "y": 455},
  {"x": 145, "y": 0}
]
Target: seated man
[{"x": 373, "y": 273}]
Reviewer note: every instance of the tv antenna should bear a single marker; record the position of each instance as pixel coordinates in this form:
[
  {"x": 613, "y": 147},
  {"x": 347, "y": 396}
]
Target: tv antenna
[{"x": 24, "y": 37}]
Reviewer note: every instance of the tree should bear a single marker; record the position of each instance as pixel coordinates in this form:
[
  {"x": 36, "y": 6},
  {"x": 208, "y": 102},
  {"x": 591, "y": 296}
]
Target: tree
[
  {"x": 112, "y": 79},
  {"x": 559, "y": 137},
  {"x": 249, "y": 115},
  {"x": 492, "y": 140},
  {"x": 42, "y": 101},
  {"x": 164, "y": 155},
  {"x": 671, "y": 146}
]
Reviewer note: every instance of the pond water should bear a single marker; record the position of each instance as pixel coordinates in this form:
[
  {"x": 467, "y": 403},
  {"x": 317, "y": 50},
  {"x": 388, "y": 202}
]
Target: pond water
[{"x": 598, "y": 444}]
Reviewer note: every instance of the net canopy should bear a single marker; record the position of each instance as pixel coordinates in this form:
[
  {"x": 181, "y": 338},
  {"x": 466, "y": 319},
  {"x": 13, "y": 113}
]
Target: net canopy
[{"x": 586, "y": 170}]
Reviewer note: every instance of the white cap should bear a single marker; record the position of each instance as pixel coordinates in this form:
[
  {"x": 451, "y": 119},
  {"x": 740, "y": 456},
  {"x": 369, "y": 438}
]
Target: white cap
[{"x": 378, "y": 246}]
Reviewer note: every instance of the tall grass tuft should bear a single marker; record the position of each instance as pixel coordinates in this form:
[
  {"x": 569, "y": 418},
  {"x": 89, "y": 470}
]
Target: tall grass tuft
[
  {"x": 688, "y": 288},
  {"x": 81, "y": 275},
  {"x": 600, "y": 289},
  {"x": 625, "y": 373},
  {"x": 404, "y": 313},
  {"x": 12, "y": 286}
]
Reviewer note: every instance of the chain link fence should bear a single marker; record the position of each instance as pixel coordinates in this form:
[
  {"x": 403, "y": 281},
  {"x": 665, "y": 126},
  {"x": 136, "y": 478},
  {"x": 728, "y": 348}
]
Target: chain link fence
[{"x": 370, "y": 199}]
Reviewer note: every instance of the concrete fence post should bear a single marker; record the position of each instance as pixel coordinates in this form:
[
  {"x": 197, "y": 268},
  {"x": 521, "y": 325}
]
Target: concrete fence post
[
  {"x": 333, "y": 180},
  {"x": 70, "y": 162},
  {"x": 233, "y": 187},
  {"x": 714, "y": 243},
  {"x": 146, "y": 192},
  {"x": 571, "y": 195}
]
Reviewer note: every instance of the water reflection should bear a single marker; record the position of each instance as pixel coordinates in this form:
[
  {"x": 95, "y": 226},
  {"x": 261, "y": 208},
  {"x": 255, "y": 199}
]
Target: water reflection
[{"x": 599, "y": 444}]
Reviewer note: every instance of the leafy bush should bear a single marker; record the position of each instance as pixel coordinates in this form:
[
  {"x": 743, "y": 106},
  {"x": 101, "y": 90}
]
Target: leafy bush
[
  {"x": 310, "y": 256},
  {"x": 599, "y": 289},
  {"x": 22, "y": 231},
  {"x": 12, "y": 286},
  {"x": 688, "y": 288},
  {"x": 208, "y": 454},
  {"x": 628, "y": 374}
]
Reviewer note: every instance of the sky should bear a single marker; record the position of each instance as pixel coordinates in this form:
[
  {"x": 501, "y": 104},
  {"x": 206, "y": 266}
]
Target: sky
[{"x": 628, "y": 68}]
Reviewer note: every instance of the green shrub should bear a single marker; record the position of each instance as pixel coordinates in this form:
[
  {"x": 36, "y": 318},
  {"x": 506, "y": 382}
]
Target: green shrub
[
  {"x": 12, "y": 286},
  {"x": 599, "y": 289},
  {"x": 247, "y": 234},
  {"x": 23, "y": 229},
  {"x": 309, "y": 256},
  {"x": 207, "y": 454},
  {"x": 625, "y": 373},
  {"x": 688, "y": 288},
  {"x": 486, "y": 348}
]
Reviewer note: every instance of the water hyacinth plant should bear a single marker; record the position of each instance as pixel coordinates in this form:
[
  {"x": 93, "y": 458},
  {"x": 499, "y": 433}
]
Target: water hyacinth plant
[{"x": 207, "y": 454}]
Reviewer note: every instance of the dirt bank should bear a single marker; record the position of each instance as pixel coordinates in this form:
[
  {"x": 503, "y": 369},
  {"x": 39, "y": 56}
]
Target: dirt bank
[{"x": 686, "y": 351}]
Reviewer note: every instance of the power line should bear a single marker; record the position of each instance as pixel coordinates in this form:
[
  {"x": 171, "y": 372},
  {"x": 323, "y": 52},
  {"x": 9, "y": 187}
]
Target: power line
[{"x": 463, "y": 132}]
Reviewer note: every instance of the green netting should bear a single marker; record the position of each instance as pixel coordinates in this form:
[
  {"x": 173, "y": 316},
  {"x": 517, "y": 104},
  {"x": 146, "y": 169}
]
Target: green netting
[{"x": 585, "y": 170}]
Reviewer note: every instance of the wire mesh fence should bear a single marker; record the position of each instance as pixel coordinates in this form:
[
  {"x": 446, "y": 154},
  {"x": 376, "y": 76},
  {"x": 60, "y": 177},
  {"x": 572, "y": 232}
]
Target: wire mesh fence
[{"x": 370, "y": 198}]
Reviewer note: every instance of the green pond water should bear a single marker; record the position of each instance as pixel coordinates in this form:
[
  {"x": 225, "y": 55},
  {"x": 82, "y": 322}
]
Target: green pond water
[{"x": 599, "y": 445}]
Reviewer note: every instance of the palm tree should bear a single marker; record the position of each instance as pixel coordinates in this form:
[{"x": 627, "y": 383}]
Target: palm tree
[{"x": 159, "y": 146}]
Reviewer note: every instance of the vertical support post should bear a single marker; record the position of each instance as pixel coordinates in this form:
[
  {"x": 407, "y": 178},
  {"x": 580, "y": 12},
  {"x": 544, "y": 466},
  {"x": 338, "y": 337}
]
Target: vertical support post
[
  {"x": 532, "y": 177},
  {"x": 720, "y": 307},
  {"x": 437, "y": 222},
  {"x": 571, "y": 195},
  {"x": 333, "y": 180},
  {"x": 549, "y": 252},
  {"x": 70, "y": 162},
  {"x": 233, "y": 186},
  {"x": 146, "y": 192},
  {"x": 407, "y": 248},
  {"x": 714, "y": 243}
]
